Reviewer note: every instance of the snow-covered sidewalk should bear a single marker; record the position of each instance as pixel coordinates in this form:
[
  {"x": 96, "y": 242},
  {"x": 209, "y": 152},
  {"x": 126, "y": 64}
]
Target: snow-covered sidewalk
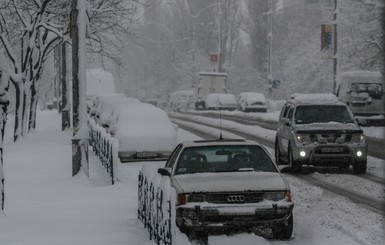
[{"x": 46, "y": 205}]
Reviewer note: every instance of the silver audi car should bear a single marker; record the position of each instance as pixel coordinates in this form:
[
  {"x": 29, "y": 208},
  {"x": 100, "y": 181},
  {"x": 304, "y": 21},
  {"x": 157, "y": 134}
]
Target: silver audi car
[{"x": 229, "y": 185}]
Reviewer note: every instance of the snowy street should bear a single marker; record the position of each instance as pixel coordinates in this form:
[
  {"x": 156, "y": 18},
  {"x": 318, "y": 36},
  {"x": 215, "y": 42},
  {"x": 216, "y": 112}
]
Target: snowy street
[{"x": 46, "y": 205}]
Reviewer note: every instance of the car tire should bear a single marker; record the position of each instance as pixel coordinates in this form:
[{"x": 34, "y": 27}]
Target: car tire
[
  {"x": 296, "y": 167},
  {"x": 284, "y": 231},
  {"x": 359, "y": 167},
  {"x": 278, "y": 156}
]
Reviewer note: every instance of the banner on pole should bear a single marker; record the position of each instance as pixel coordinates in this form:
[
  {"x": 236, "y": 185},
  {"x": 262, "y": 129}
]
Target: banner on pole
[{"x": 327, "y": 41}]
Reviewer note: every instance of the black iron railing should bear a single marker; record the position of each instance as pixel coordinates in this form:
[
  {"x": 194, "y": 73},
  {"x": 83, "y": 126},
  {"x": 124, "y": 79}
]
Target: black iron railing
[
  {"x": 156, "y": 207},
  {"x": 105, "y": 147}
]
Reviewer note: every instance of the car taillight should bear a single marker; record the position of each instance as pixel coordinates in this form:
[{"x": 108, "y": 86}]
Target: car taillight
[
  {"x": 288, "y": 196},
  {"x": 181, "y": 199}
]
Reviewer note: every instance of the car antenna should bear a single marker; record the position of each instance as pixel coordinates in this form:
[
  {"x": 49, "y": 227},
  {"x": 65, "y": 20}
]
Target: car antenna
[{"x": 220, "y": 124}]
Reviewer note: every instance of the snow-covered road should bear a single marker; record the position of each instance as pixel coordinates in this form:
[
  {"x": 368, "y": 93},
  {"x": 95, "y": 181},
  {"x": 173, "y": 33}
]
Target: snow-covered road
[{"x": 45, "y": 205}]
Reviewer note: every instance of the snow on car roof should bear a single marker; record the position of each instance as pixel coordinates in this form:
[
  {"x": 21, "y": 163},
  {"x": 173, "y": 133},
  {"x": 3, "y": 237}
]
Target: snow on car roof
[
  {"x": 314, "y": 97},
  {"x": 221, "y": 97},
  {"x": 361, "y": 77},
  {"x": 255, "y": 95},
  {"x": 219, "y": 142},
  {"x": 143, "y": 119},
  {"x": 372, "y": 74}
]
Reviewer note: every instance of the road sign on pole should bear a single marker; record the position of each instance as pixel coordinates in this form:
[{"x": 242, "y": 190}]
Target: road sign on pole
[
  {"x": 276, "y": 83},
  {"x": 214, "y": 58}
]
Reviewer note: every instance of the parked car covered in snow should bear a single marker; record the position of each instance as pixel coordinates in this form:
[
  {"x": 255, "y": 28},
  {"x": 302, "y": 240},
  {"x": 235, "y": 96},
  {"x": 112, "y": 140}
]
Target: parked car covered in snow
[
  {"x": 225, "y": 186},
  {"x": 144, "y": 132},
  {"x": 221, "y": 102},
  {"x": 106, "y": 104},
  {"x": 252, "y": 101}
]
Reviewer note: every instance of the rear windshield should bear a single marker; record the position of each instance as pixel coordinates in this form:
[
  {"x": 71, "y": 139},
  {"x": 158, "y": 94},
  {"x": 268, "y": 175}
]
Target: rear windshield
[
  {"x": 231, "y": 158},
  {"x": 374, "y": 90},
  {"x": 322, "y": 114}
]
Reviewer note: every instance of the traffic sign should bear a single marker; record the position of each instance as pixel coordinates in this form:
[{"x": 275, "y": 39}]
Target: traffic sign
[
  {"x": 276, "y": 83},
  {"x": 214, "y": 58}
]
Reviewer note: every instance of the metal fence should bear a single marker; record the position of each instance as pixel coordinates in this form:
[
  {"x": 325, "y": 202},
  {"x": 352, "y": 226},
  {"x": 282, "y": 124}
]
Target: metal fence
[
  {"x": 105, "y": 147},
  {"x": 156, "y": 208}
]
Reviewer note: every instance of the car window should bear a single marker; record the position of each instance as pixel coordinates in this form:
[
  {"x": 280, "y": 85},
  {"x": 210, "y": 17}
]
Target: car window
[
  {"x": 171, "y": 160},
  {"x": 285, "y": 111},
  {"x": 322, "y": 114},
  {"x": 231, "y": 158},
  {"x": 290, "y": 113}
]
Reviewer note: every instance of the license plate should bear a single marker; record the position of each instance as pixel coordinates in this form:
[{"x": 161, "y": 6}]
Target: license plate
[
  {"x": 146, "y": 154},
  {"x": 331, "y": 149}
]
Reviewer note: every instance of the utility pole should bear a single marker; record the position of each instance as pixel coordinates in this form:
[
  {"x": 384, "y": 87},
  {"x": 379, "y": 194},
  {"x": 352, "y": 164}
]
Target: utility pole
[
  {"x": 335, "y": 60},
  {"x": 76, "y": 151},
  {"x": 79, "y": 143},
  {"x": 75, "y": 65},
  {"x": 219, "y": 40},
  {"x": 270, "y": 36}
]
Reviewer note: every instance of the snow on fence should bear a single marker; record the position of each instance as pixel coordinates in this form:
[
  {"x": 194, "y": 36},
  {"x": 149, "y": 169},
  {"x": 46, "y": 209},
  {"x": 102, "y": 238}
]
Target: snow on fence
[
  {"x": 156, "y": 206},
  {"x": 105, "y": 147}
]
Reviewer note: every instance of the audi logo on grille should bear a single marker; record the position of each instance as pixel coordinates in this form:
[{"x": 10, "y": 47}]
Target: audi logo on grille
[{"x": 236, "y": 198}]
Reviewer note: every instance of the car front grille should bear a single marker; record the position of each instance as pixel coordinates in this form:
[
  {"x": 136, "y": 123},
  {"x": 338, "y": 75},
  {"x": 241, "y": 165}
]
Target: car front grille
[
  {"x": 334, "y": 138},
  {"x": 244, "y": 197}
]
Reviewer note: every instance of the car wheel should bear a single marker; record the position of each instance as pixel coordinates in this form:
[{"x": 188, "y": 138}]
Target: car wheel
[
  {"x": 278, "y": 155},
  {"x": 296, "y": 167},
  {"x": 284, "y": 231},
  {"x": 359, "y": 167}
]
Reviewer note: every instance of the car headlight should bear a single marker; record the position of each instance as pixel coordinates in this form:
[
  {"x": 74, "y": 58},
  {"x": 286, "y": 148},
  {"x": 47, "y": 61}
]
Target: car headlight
[
  {"x": 196, "y": 197},
  {"x": 303, "y": 138},
  {"x": 274, "y": 196},
  {"x": 358, "y": 138}
]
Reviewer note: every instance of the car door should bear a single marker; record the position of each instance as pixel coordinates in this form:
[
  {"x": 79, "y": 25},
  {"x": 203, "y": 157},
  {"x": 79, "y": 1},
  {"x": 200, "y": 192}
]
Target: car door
[{"x": 283, "y": 131}]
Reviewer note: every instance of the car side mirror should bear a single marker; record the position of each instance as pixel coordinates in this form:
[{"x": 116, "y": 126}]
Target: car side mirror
[
  {"x": 288, "y": 122},
  {"x": 165, "y": 171}
]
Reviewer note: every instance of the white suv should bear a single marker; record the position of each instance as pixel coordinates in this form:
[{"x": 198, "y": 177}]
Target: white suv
[
  {"x": 319, "y": 130},
  {"x": 224, "y": 186}
]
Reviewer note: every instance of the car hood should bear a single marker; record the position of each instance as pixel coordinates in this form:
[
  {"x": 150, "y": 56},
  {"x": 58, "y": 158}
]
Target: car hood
[
  {"x": 230, "y": 182},
  {"x": 331, "y": 126}
]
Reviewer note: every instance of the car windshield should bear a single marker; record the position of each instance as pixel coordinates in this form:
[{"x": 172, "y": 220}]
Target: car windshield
[
  {"x": 231, "y": 158},
  {"x": 322, "y": 114}
]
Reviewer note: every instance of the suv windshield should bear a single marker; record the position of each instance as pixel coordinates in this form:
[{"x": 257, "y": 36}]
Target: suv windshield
[
  {"x": 322, "y": 114},
  {"x": 231, "y": 158}
]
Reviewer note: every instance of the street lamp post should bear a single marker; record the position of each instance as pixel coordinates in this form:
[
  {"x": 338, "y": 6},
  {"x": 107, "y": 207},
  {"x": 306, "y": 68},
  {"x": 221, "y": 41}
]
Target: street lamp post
[{"x": 270, "y": 36}]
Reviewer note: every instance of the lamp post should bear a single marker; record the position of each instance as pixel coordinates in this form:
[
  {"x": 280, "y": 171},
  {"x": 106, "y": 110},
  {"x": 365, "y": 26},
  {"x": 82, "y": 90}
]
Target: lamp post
[
  {"x": 335, "y": 64},
  {"x": 78, "y": 33},
  {"x": 270, "y": 36}
]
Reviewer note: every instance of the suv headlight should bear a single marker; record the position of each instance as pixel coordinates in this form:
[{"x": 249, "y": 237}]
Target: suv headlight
[
  {"x": 358, "y": 138},
  {"x": 303, "y": 138}
]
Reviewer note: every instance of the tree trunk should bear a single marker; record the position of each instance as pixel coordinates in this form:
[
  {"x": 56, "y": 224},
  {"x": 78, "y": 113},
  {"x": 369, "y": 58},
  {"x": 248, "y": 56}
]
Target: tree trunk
[
  {"x": 32, "y": 109},
  {"x": 16, "y": 131},
  {"x": 24, "y": 113},
  {"x": 3, "y": 121}
]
